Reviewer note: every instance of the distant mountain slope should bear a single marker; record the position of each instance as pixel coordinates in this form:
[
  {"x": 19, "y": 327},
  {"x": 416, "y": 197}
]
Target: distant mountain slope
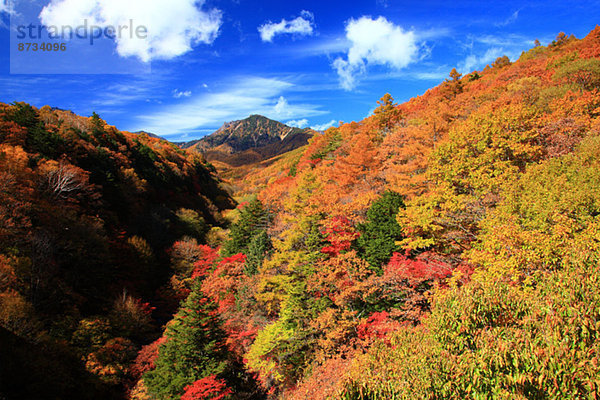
[
  {"x": 152, "y": 135},
  {"x": 249, "y": 141}
]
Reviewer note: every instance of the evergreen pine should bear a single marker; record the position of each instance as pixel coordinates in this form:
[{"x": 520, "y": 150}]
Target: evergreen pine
[
  {"x": 254, "y": 219},
  {"x": 193, "y": 350},
  {"x": 381, "y": 231},
  {"x": 258, "y": 249}
]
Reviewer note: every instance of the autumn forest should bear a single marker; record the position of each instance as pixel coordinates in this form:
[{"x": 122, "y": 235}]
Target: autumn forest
[{"x": 444, "y": 248}]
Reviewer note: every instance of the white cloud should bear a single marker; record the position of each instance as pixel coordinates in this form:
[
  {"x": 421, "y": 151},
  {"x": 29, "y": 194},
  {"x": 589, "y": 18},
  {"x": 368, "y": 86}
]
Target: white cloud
[
  {"x": 325, "y": 126},
  {"x": 173, "y": 26},
  {"x": 243, "y": 97},
  {"x": 179, "y": 94},
  {"x": 302, "y": 25},
  {"x": 473, "y": 61},
  {"x": 374, "y": 42},
  {"x": 283, "y": 110},
  {"x": 5, "y": 7},
  {"x": 298, "y": 123},
  {"x": 117, "y": 95},
  {"x": 513, "y": 17},
  {"x": 282, "y": 106},
  {"x": 481, "y": 50},
  {"x": 325, "y": 46},
  {"x": 347, "y": 72},
  {"x": 429, "y": 75},
  {"x": 504, "y": 40}
]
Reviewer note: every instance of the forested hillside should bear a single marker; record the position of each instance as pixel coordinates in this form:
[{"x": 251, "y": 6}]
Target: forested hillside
[
  {"x": 87, "y": 214},
  {"x": 444, "y": 248},
  {"x": 447, "y": 247}
]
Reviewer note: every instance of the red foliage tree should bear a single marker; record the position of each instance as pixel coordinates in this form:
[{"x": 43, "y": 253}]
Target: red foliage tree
[
  {"x": 377, "y": 326},
  {"x": 415, "y": 271},
  {"x": 410, "y": 280},
  {"x": 208, "y": 388},
  {"x": 340, "y": 234},
  {"x": 146, "y": 357},
  {"x": 231, "y": 289},
  {"x": 203, "y": 266},
  {"x": 221, "y": 285},
  {"x": 12, "y": 133}
]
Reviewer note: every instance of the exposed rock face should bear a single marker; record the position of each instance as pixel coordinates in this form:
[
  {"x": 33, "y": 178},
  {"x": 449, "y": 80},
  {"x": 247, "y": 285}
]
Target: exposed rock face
[{"x": 250, "y": 140}]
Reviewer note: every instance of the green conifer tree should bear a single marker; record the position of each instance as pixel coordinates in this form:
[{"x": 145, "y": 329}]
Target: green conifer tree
[
  {"x": 254, "y": 218},
  {"x": 381, "y": 231},
  {"x": 194, "y": 349},
  {"x": 258, "y": 249}
]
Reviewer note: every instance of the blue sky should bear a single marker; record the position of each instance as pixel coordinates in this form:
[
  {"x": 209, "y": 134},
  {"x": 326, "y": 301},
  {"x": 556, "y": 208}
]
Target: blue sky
[{"x": 309, "y": 63}]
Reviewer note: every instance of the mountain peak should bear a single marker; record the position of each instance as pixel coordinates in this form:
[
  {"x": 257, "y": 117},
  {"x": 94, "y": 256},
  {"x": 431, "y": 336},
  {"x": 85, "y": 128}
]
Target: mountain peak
[
  {"x": 256, "y": 127},
  {"x": 250, "y": 140}
]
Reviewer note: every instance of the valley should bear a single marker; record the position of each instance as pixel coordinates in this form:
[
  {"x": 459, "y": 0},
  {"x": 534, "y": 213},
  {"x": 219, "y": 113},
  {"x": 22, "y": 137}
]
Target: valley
[{"x": 444, "y": 247}]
